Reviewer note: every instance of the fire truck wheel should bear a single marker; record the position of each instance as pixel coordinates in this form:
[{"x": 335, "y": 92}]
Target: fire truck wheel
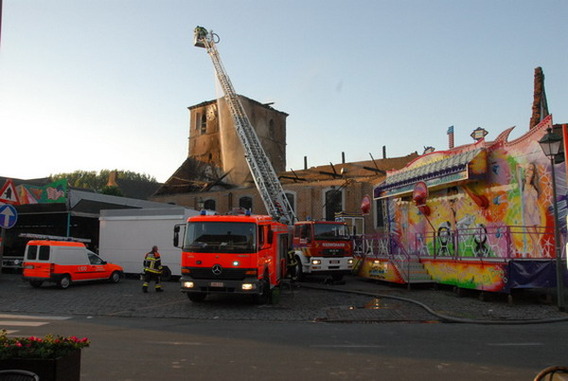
[
  {"x": 36, "y": 283},
  {"x": 264, "y": 297},
  {"x": 196, "y": 297},
  {"x": 65, "y": 282}
]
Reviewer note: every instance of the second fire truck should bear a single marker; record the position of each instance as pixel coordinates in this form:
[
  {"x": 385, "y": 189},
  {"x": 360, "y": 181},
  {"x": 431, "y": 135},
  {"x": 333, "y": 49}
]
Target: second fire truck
[{"x": 322, "y": 248}]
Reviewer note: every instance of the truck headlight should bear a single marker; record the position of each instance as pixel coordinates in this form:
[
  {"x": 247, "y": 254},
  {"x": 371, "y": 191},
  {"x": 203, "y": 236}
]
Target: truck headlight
[
  {"x": 350, "y": 261},
  {"x": 247, "y": 286},
  {"x": 316, "y": 262},
  {"x": 188, "y": 285}
]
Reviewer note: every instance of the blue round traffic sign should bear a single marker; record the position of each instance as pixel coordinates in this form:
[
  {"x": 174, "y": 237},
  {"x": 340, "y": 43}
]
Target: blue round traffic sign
[{"x": 8, "y": 216}]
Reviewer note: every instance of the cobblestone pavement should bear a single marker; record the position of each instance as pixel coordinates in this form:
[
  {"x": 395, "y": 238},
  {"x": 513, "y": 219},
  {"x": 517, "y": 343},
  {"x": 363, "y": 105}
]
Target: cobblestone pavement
[
  {"x": 355, "y": 300},
  {"x": 446, "y": 304}
]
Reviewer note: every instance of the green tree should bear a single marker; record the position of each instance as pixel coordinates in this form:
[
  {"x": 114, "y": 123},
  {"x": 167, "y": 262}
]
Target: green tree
[
  {"x": 112, "y": 191},
  {"x": 98, "y": 181}
]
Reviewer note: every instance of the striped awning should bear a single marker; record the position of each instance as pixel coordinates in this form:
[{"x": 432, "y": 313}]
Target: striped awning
[{"x": 449, "y": 170}]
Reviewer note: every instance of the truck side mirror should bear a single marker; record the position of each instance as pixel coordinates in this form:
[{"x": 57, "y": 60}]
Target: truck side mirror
[{"x": 176, "y": 235}]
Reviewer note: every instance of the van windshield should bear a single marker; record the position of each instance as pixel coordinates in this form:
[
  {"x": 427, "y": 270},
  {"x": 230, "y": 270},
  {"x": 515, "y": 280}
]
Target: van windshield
[{"x": 220, "y": 237}]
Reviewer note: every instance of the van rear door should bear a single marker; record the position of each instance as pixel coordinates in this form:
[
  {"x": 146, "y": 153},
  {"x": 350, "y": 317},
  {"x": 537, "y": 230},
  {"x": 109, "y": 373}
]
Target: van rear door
[{"x": 36, "y": 261}]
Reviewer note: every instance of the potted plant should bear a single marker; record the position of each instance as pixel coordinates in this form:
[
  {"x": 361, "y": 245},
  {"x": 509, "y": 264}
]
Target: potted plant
[{"x": 52, "y": 358}]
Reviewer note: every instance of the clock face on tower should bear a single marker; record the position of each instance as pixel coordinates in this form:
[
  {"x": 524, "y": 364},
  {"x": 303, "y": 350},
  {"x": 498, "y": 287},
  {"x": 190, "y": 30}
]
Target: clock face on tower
[{"x": 211, "y": 112}]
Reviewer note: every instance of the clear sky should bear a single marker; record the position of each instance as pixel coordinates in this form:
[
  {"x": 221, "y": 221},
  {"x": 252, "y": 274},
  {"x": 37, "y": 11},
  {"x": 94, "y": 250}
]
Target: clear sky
[{"x": 105, "y": 84}]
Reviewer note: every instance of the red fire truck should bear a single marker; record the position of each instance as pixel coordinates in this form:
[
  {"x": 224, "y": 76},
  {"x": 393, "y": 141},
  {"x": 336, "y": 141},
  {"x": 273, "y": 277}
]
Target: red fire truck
[
  {"x": 322, "y": 247},
  {"x": 232, "y": 254},
  {"x": 244, "y": 254}
]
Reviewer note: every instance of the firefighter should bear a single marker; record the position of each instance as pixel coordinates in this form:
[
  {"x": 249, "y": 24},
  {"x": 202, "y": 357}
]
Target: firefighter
[
  {"x": 152, "y": 270},
  {"x": 292, "y": 264}
]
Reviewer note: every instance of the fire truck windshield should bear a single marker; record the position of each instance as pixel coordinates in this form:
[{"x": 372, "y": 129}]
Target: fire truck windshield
[
  {"x": 220, "y": 237},
  {"x": 331, "y": 232}
]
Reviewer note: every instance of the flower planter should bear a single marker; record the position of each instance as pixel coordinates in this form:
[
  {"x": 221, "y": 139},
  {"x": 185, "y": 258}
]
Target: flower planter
[{"x": 67, "y": 368}]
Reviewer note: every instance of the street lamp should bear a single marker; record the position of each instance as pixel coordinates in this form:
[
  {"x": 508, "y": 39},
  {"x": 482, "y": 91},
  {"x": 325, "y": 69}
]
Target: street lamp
[{"x": 550, "y": 144}]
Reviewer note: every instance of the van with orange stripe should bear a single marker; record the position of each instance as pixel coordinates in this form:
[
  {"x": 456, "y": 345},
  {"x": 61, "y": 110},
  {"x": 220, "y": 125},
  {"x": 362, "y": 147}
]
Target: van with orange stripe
[{"x": 65, "y": 262}]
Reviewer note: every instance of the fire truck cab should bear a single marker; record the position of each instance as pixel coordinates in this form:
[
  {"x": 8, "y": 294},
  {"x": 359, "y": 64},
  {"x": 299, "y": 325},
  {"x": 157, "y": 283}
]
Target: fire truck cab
[
  {"x": 322, "y": 247},
  {"x": 232, "y": 254}
]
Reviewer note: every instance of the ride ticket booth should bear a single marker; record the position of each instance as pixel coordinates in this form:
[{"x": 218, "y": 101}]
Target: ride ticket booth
[{"x": 479, "y": 216}]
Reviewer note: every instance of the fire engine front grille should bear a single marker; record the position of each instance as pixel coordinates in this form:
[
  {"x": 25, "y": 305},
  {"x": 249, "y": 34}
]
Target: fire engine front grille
[
  {"x": 333, "y": 252},
  {"x": 213, "y": 273}
]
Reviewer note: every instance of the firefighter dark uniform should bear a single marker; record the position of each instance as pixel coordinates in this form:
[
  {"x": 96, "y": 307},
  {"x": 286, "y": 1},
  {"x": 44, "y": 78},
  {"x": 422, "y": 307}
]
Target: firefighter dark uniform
[
  {"x": 292, "y": 264},
  {"x": 152, "y": 270}
]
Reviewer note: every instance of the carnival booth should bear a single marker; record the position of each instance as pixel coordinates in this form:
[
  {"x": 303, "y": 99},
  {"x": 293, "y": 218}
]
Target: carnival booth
[{"x": 479, "y": 216}]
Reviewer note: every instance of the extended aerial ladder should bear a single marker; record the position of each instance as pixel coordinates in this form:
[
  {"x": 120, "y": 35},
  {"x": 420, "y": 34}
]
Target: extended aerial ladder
[{"x": 265, "y": 178}]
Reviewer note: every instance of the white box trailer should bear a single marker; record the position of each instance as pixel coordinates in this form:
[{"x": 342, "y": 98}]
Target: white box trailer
[{"x": 126, "y": 235}]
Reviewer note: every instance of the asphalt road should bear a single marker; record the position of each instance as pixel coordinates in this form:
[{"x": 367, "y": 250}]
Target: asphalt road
[{"x": 179, "y": 349}]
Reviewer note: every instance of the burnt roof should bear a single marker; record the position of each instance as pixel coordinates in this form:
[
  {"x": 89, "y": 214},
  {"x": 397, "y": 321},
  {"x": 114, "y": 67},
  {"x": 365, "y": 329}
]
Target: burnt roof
[
  {"x": 265, "y": 105},
  {"x": 195, "y": 176}
]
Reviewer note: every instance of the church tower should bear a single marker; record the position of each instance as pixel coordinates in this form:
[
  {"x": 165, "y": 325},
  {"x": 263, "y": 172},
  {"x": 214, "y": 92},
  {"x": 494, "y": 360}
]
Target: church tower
[{"x": 213, "y": 138}]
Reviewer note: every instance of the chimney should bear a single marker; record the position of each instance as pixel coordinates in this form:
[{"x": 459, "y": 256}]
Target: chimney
[
  {"x": 342, "y": 157},
  {"x": 305, "y": 162},
  {"x": 451, "y": 137},
  {"x": 540, "y": 106},
  {"x": 112, "y": 179},
  {"x": 384, "y": 152}
]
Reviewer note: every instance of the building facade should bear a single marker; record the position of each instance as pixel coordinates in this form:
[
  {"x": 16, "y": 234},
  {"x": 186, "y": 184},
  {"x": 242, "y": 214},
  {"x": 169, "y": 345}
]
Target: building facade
[{"x": 216, "y": 177}]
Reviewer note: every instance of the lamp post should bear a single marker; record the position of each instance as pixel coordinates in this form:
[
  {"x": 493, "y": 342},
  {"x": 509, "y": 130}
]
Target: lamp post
[{"x": 550, "y": 144}]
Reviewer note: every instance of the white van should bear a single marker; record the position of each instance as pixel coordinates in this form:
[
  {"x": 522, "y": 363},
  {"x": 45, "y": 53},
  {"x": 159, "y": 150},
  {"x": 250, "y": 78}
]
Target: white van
[{"x": 64, "y": 262}]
